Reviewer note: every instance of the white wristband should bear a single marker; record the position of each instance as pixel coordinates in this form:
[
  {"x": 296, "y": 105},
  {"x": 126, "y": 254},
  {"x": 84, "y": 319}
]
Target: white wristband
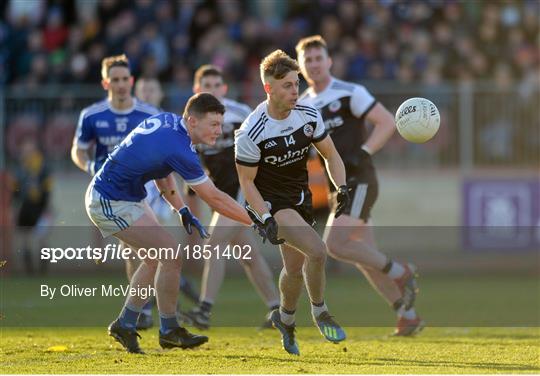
[
  {"x": 265, "y": 216},
  {"x": 367, "y": 149}
]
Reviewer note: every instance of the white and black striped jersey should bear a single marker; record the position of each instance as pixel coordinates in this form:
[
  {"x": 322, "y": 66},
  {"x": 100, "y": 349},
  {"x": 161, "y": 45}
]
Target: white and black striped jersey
[
  {"x": 280, "y": 149},
  {"x": 343, "y": 106}
]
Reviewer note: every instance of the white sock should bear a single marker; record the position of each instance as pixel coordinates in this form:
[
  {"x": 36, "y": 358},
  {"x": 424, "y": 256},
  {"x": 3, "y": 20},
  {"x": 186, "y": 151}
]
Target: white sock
[
  {"x": 316, "y": 310},
  {"x": 286, "y": 318},
  {"x": 408, "y": 314},
  {"x": 396, "y": 270}
]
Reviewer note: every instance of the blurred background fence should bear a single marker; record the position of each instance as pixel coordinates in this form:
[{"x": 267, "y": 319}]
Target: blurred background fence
[{"x": 482, "y": 125}]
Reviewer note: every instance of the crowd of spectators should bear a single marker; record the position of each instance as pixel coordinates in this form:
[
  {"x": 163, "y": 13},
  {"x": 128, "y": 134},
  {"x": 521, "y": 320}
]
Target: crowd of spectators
[
  {"x": 63, "y": 41},
  {"x": 432, "y": 42}
]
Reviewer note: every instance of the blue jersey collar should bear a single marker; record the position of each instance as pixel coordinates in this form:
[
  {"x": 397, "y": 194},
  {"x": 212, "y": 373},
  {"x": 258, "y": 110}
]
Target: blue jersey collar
[{"x": 122, "y": 112}]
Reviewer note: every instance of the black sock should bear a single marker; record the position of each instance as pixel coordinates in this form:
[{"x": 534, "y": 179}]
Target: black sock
[
  {"x": 397, "y": 304},
  {"x": 287, "y": 311},
  {"x": 274, "y": 307},
  {"x": 206, "y": 306},
  {"x": 318, "y": 304}
]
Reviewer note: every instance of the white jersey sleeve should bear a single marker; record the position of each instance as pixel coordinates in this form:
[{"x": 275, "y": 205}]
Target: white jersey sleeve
[
  {"x": 320, "y": 132},
  {"x": 361, "y": 101},
  {"x": 246, "y": 151}
]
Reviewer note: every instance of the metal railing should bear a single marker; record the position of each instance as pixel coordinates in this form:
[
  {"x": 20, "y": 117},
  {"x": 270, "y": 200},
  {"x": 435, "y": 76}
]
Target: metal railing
[{"x": 481, "y": 124}]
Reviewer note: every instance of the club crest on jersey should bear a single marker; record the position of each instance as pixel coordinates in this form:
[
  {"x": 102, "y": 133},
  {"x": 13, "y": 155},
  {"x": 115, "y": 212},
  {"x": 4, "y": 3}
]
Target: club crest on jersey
[
  {"x": 270, "y": 144},
  {"x": 334, "y": 106},
  {"x": 308, "y": 130}
]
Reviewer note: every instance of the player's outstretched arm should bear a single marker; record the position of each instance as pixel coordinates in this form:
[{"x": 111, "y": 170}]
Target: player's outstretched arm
[
  {"x": 268, "y": 227},
  {"x": 221, "y": 202},
  {"x": 384, "y": 128},
  {"x": 169, "y": 191},
  {"x": 246, "y": 177},
  {"x": 81, "y": 159},
  {"x": 334, "y": 163}
]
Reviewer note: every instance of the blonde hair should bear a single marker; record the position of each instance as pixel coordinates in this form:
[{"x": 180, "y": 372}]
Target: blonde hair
[
  {"x": 277, "y": 65},
  {"x": 113, "y": 61}
]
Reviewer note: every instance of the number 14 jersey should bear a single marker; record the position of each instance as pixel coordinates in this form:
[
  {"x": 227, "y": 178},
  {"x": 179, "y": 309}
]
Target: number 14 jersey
[{"x": 280, "y": 149}]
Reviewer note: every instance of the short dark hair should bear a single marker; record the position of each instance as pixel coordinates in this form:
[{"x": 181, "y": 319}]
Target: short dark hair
[
  {"x": 205, "y": 71},
  {"x": 111, "y": 62},
  {"x": 201, "y": 104},
  {"x": 277, "y": 65},
  {"x": 313, "y": 41}
]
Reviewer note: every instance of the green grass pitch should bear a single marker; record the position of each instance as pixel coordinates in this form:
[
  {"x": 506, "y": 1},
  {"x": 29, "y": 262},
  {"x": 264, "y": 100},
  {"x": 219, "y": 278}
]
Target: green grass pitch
[{"x": 471, "y": 331}]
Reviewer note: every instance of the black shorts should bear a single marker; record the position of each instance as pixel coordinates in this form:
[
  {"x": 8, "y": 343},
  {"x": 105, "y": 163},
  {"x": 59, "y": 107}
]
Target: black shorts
[
  {"x": 363, "y": 192},
  {"x": 303, "y": 206}
]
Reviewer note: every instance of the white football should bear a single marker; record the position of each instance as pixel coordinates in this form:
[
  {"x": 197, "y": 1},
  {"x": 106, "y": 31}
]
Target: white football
[{"x": 417, "y": 120}]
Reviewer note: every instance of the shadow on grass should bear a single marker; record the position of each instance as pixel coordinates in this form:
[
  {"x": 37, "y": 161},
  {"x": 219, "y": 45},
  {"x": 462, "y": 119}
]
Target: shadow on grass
[{"x": 460, "y": 364}]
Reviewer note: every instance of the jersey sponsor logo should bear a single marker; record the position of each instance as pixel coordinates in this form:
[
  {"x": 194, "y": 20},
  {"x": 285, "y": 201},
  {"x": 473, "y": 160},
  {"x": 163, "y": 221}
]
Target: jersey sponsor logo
[
  {"x": 287, "y": 130},
  {"x": 288, "y": 158},
  {"x": 110, "y": 141},
  {"x": 270, "y": 144},
  {"x": 334, "y": 106},
  {"x": 334, "y": 122},
  {"x": 102, "y": 124},
  {"x": 308, "y": 130}
]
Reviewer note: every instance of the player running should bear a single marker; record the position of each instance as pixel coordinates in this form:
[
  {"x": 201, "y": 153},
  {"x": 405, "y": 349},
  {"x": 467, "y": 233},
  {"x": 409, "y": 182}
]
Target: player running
[
  {"x": 344, "y": 107},
  {"x": 115, "y": 203},
  {"x": 272, "y": 147},
  {"x": 219, "y": 161},
  {"x": 103, "y": 125}
]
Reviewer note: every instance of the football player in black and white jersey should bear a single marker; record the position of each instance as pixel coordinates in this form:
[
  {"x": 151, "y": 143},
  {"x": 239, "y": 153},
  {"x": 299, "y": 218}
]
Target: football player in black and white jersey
[
  {"x": 219, "y": 160},
  {"x": 272, "y": 147},
  {"x": 344, "y": 107}
]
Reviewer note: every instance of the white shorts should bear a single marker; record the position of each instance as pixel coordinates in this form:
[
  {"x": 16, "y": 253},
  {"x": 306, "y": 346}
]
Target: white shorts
[
  {"x": 159, "y": 206},
  {"x": 111, "y": 216}
]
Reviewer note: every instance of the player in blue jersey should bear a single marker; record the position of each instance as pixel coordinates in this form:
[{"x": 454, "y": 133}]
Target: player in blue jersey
[
  {"x": 106, "y": 123},
  {"x": 115, "y": 203},
  {"x": 219, "y": 161},
  {"x": 103, "y": 125}
]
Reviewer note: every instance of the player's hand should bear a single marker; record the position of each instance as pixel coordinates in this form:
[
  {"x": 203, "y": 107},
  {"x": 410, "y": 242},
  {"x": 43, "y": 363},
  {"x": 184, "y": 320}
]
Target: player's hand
[
  {"x": 343, "y": 199},
  {"x": 270, "y": 228},
  {"x": 189, "y": 220}
]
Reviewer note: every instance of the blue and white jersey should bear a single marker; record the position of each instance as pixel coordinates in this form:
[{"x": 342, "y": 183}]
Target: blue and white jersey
[
  {"x": 157, "y": 147},
  {"x": 107, "y": 127}
]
